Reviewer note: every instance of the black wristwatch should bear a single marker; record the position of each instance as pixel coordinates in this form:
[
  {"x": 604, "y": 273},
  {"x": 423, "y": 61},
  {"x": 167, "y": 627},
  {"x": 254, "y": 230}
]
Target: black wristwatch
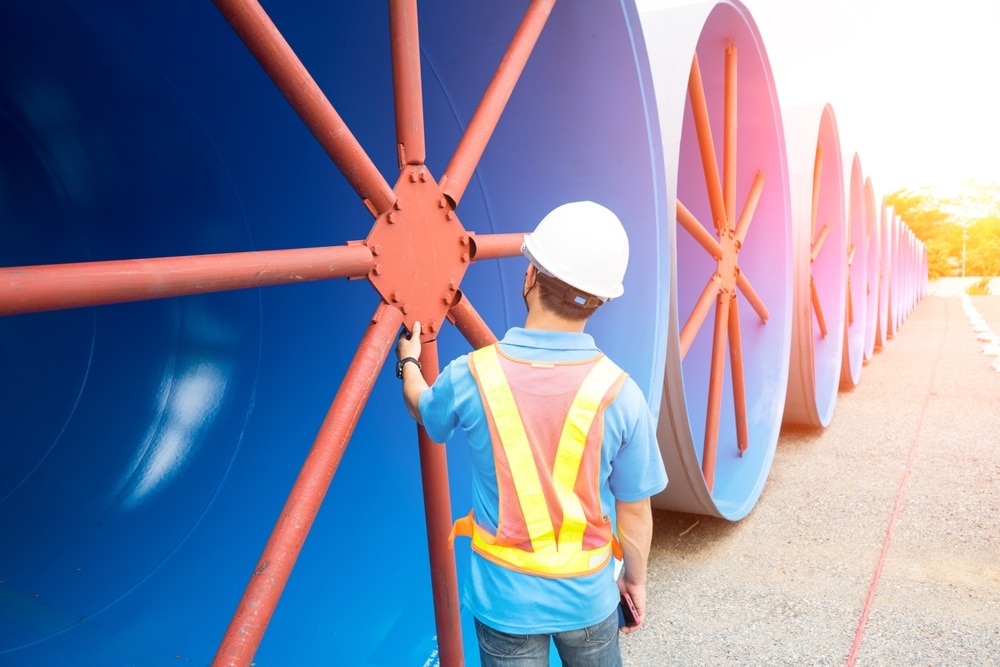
[{"x": 403, "y": 362}]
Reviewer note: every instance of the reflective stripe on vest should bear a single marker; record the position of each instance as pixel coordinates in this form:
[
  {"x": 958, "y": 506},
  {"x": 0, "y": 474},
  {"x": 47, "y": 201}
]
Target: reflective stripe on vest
[{"x": 553, "y": 556}]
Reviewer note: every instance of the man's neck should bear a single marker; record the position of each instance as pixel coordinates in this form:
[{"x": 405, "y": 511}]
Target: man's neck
[{"x": 543, "y": 320}]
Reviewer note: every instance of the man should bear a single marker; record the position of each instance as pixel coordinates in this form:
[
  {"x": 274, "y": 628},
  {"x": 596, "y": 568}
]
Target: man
[{"x": 563, "y": 448}]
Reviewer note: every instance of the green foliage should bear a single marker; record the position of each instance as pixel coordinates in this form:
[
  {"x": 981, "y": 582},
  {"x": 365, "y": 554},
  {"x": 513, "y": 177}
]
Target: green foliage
[
  {"x": 923, "y": 214},
  {"x": 938, "y": 259},
  {"x": 961, "y": 233},
  {"x": 981, "y": 286},
  {"x": 982, "y": 249}
]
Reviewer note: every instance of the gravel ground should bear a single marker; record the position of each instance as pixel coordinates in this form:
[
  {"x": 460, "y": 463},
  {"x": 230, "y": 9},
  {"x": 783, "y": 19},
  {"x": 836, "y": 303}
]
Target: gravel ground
[{"x": 876, "y": 540}]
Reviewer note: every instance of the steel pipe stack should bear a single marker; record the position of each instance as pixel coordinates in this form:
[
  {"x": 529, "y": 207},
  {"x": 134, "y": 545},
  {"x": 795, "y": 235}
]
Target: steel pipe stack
[
  {"x": 855, "y": 323},
  {"x": 820, "y": 232},
  {"x": 197, "y": 419}
]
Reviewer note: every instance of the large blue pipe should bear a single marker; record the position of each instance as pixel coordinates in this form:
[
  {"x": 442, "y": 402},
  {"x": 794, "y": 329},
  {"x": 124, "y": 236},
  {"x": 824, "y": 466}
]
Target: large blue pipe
[{"x": 148, "y": 447}]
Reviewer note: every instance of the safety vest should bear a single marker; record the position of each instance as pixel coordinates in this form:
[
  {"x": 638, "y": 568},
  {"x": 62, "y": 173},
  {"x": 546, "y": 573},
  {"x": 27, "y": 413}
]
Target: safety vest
[{"x": 546, "y": 423}]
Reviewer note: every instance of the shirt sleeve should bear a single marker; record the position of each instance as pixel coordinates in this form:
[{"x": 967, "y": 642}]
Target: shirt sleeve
[
  {"x": 438, "y": 406},
  {"x": 637, "y": 470}
]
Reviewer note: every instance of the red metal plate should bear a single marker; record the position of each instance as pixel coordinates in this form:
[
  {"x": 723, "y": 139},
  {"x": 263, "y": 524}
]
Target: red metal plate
[{"x": 421, "y": 252}]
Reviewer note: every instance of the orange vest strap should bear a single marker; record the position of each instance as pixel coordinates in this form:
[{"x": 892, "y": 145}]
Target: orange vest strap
[
  {"x": 466, "y": 527},
  {"x": 462, "y": 528}
]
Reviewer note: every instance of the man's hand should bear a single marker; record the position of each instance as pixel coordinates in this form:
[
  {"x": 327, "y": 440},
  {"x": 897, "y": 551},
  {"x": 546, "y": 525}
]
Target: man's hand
[
  {"x": 413, "y": 380},
  {"x": 638, "y": 594},
  {"x": 409, "y": 345},
  {"x": 635, "y": 532}
]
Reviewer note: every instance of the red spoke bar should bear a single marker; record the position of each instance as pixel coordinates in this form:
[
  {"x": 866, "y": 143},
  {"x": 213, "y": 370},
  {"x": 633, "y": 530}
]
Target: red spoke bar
[
  {"x": 484, "y": 120},
  {"x": 275, "y": 565},
  {"x": 32, "y": 289},
  {"x": 405, "y": 43},
  {"x": 818, "y": 245},
  {"x": 495, "y": 246},
  {"x": 437, "y": 510},
  {"x": 706, "y": 144},
  {"x": 749, "y": 207},
  {"x": 817, "y": 307},
  {"x": 715, "y": 382},
  {"x": 468, "y": 322},
  {"x": 729, "y": 136},
  {"x": 277, "y": 58},
  {"x": 697, "y": 317},
  {"x": 698, "y": 232},
  {"x": 739, "y": 377},
  {"x": 817, "y": 181},
  {"x": 751, "y": 296}
]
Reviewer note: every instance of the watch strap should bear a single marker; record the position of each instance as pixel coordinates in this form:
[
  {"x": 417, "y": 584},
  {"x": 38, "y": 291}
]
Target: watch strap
[{"x": 403, "y": 362}]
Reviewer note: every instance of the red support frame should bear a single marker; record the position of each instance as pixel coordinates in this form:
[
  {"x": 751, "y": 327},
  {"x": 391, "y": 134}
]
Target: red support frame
[
  {"x": 415, "y": 216},
  {"x": 729, "y": 281},
  {"x": 412, "y": 219}
]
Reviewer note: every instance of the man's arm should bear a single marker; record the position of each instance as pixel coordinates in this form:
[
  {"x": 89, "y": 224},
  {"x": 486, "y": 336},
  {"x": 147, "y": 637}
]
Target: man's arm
[
  {"x": 413, "y": 380},
  {"x": 635, "y": 532}
]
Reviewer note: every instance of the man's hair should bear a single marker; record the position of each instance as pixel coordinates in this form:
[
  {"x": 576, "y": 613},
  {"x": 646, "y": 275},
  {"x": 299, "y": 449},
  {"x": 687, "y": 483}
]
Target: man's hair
[{"x": 564, "y": 300}]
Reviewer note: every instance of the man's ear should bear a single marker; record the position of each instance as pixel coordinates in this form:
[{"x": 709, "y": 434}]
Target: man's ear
[{"x": 530, "y": 276}]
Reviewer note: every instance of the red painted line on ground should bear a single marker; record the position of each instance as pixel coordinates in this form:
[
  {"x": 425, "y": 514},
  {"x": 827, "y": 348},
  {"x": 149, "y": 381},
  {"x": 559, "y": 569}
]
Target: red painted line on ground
[{"x": 877, "y": 574}]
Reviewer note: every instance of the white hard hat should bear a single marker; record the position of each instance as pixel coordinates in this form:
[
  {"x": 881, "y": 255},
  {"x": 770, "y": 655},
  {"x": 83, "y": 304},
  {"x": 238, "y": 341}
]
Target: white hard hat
[{"x": 582, "y": 244}]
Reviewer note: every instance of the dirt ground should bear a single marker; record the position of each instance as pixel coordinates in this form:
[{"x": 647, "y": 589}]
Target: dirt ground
[{"x": 876, "y": 540}]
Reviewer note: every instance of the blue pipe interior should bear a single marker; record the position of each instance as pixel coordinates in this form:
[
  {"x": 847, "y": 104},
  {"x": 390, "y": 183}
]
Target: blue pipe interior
[{"x": 149, "y": 447}]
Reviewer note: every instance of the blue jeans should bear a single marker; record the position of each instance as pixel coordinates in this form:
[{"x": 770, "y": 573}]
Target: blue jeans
[{"x": 596, "y": 646}]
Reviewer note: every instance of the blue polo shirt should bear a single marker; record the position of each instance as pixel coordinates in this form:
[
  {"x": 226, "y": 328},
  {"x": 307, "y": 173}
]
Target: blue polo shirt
[{"x": 631, "y": 470}]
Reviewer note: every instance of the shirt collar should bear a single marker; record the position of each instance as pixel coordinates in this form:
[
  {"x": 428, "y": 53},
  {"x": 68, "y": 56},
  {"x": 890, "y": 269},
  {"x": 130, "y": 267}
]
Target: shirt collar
[{"x": 541, "y": 339}]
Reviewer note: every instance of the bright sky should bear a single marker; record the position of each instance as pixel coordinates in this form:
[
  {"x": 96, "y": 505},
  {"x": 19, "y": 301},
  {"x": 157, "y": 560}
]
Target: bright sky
[{"x": 914, "y": 84}]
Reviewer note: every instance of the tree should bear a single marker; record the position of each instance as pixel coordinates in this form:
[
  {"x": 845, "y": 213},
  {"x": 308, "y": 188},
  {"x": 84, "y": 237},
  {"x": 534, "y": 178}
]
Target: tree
[
  {"x": 921, "y": 211},
  {"x": 970, "y": 219},
  {"x": 923, "y": 214},
  {"x": 982, "y": 256}
]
